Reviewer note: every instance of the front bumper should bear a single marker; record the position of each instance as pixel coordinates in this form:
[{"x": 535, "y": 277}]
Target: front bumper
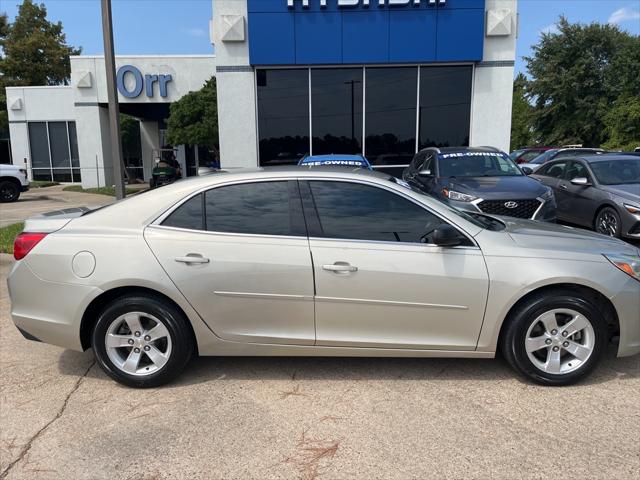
[
  {"x": 24, "y": 188},
  {"x": 627, "y": 305},
  {"x": 630, "y": 224}
]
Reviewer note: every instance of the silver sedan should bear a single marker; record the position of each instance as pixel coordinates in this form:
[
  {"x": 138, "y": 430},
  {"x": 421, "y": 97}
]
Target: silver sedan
[{"x": 319, "y": 262}]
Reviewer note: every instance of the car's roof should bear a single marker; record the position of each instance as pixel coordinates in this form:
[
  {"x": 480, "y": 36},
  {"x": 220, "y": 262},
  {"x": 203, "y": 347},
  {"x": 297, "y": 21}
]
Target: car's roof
[
  {"x": 334, "y": 156},
  {"x": 463, "y": 149},
  {"x": 607, "y": 157}
]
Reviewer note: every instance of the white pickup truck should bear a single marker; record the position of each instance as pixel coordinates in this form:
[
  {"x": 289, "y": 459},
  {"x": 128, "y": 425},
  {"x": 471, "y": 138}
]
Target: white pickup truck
[{"x": 13, "y": 181}]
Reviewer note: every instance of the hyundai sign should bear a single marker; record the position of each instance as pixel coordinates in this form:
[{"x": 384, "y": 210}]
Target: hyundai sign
[
  {"x": 365, "y": 3},
  {"x": 361, "y": 32}
]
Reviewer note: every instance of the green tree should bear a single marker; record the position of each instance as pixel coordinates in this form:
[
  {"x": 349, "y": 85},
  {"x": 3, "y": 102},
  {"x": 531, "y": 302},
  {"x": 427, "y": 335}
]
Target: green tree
[
  {"x": 576, "y": 75},
  {"x": 33, "y": 51},
  {"x": 522, "y": 133},
  {"x": 193, "y": 119},
  {"x": 622, "y": 123}
]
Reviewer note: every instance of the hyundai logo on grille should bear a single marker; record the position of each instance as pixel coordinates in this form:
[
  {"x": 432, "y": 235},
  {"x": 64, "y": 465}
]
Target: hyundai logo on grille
[{"x": 511, "y": 205}]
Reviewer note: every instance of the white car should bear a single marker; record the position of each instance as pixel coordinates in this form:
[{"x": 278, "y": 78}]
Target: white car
[
  {"x": 325, "y": 261},
  {"x": 13, "y": 181}
]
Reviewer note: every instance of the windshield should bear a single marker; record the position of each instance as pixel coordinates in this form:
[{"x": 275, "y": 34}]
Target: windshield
[
  {"x": 617, "y": 172},
  {"x": 516, "y": 154},
  {"x": 477, "y": 164},
  {"x": 478, "y": 219},
  {"x": 544, "y": 157}
]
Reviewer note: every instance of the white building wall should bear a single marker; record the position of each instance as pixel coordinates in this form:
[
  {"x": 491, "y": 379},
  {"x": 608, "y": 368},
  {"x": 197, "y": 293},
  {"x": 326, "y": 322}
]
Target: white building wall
[
  {"x": 236, "y": 91},
  {"x": 35, "y": 104},
  {"x": 493, "y": 85}
]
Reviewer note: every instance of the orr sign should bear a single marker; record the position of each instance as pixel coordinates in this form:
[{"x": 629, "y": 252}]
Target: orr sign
[{"x": 366, "y": 3}]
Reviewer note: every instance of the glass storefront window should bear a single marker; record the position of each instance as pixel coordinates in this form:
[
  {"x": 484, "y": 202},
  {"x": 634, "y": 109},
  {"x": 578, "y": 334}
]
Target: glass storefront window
[
  {"x": 445, "y": 106},
  {"x": 283, "y": 115},
  {"x": 54, "y": 151},
  {"x": 392, "y": 106},
  {"x": 390, "y": 122},
  {"x": 336, "y": 110}
]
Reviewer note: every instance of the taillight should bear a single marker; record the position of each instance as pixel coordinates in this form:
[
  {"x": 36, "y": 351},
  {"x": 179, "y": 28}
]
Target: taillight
[{"x": 25, "y": 242}]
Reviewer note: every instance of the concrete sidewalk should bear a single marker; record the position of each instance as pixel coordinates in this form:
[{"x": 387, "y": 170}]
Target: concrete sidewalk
[{"x": 41, "y": 200}]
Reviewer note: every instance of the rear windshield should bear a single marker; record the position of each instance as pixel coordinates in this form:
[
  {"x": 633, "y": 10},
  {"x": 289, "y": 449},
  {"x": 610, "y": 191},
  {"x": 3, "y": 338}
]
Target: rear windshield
[
  {"x": 617, "y": 172},
  {"x": 477, "y": 164}
]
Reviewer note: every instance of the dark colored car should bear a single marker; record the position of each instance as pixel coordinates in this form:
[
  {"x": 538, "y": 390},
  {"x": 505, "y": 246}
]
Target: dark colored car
[
  {"x": 554, "y": 153},
  {"x": 525, "y": 155},
  {"x": 601, "y": 192},
  {"x": 481, "y": 180},
  {"x": 166, "y": 171}
]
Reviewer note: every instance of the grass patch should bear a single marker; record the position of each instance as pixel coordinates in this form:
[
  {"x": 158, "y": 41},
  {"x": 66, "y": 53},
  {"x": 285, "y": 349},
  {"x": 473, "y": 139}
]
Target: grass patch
[
  {"x": 42, "y": 184},
  {"x": 110, "y": 191},
  {"x": 8, "y": 235}
]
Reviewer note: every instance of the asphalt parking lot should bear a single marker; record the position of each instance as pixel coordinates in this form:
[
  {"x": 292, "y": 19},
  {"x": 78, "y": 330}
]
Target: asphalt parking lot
[{"x": 262, "y": 418}]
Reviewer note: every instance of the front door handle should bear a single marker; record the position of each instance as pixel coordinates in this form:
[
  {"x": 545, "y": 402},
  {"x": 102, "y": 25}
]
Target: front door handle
[
  {"x": 192, "y": 259},
  {"x": 563, "y": 186},
  {"x": 340, "y": 267}
]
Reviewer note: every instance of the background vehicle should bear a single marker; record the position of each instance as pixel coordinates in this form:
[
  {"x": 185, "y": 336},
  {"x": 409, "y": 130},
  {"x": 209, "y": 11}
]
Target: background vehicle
[
  {"x": 336, "y": 160},
  {"x": 481, "y": 180},
  {"x": 319, "y": 262},
  {"x": 13, "y": 181},
  {"x": 166, "y": 170},
  {"x": 527, "y": 154},
  {"x": 561, "y": 153},
  {"x": 601, "y": 192}
]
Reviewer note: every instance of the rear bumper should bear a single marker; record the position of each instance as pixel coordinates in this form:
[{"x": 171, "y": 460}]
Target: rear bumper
[{"x": 46, "y": 311}]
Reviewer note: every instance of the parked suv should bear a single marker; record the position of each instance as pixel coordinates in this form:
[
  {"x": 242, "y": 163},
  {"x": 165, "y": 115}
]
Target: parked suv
[
  {"x": 525, "y": 155},
  {"x": 480, "y": 179},
  {"x": 13, "y": 181}
]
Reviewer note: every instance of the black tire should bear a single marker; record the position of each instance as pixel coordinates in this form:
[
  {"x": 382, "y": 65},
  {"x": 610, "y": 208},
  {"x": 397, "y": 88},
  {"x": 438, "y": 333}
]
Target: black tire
[
  {"x": 513, "y": 337},
  {"x": 604, "y": 221},
  {"x": 9, "y": 191},
  {"x": 182, "y": 341}
]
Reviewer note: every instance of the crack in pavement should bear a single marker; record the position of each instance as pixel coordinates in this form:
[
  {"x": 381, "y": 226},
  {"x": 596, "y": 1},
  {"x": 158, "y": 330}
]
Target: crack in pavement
[{"x": 40, "y": 432}]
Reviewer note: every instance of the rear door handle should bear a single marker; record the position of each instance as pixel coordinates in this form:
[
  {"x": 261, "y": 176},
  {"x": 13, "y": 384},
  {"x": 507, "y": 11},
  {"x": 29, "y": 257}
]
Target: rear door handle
[
  {"x": 563, "y": 186},
  {"x": 340, "y": 267},
  {"x": 192, "y": 259}
]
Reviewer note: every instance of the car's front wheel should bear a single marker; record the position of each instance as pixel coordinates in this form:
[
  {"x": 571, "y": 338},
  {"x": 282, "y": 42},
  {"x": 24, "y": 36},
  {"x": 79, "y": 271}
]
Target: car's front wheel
[
  {"x": 142, "y": 341},
  {"x": 607, "y": 222},
  {"x": 555, "y": 338}
]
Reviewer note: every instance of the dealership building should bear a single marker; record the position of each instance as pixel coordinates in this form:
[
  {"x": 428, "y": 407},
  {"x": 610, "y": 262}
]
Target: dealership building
[{"x": 382, "y": 78}]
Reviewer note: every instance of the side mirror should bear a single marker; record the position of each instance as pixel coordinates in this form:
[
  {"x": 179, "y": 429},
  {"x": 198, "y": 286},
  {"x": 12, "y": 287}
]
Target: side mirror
[
  {"x": 581, "y": 182},
  {"x": 446, "y": 236},
  {"x": 527, "y": 170},
  {"x": 425, "y": 173}
]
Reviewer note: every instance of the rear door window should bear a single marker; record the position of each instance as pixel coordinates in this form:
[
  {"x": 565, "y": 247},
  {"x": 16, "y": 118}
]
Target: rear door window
[{"x": 262, "y": 208}]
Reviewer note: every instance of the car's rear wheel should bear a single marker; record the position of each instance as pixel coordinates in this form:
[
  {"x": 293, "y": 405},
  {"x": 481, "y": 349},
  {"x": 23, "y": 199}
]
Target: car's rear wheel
[
  {"x": 9, "y": 191},
  {"x": 142, "y": 341},
  {"x": 607, "y": 222},
  {"x": 556, "y": 338}
]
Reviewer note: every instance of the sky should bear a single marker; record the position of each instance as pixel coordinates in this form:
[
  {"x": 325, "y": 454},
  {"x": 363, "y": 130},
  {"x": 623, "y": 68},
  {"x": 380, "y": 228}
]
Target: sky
[{"x": 159, "y": 27}]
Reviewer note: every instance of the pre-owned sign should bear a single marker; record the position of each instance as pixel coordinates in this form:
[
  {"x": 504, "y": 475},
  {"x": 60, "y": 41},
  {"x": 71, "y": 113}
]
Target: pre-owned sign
[{"x": 366, "y": 3}]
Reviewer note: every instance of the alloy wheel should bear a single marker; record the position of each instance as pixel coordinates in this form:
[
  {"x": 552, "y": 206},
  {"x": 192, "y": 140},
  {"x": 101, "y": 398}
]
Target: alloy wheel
[
  {"x": 138, "y": 343},
  {"x": 607, "y": 223},
  {"x": 560, "y": 341}
]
